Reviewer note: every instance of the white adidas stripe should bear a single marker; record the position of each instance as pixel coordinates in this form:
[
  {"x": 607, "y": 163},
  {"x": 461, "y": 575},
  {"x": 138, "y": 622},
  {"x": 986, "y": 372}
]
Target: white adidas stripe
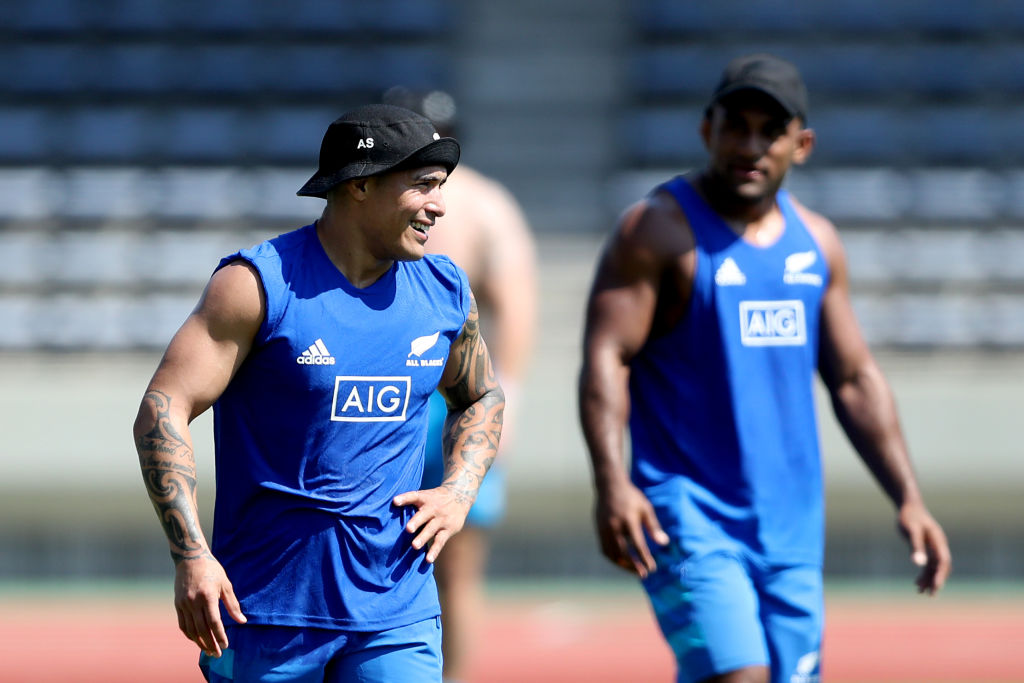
[
  {"x": 316, "y": 354},
  {"x": 317, "y": 348}
]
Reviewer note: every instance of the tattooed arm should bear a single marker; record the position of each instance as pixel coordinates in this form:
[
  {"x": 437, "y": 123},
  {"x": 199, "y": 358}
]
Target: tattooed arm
[
  {"x": 168, "y": 469},
  {"x": 470, "y": 442},
  {"x": 197, "y": 366}
]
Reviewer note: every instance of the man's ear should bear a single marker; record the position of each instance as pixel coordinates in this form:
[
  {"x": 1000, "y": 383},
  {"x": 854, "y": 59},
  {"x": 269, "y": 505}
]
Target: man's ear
[
  {"x": 705, "y": 128},
  {"x": 804, "y": 145},
  {"x": 357, "y": 188}
]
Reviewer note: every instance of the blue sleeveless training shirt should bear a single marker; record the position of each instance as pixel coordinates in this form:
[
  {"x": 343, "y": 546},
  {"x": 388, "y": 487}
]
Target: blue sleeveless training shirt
[
  {"x": 324, "y": 423},
  {"x": 723, "y": 424}
]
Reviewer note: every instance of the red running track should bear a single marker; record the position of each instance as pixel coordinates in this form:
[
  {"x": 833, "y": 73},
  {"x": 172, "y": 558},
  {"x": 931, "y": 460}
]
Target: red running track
[{"x": 536, "y": 639}]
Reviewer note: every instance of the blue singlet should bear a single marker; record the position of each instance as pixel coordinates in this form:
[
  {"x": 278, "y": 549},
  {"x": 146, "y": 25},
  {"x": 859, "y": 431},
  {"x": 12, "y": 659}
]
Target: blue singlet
[
  {"x": 723, "y": 423},
  {"x": 324, "y": 423}
]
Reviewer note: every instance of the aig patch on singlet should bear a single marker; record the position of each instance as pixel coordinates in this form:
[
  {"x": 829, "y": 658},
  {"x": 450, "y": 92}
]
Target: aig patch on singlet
[
  {"x": 773, "y": 323},
  {"x": 370, "y": 399}
]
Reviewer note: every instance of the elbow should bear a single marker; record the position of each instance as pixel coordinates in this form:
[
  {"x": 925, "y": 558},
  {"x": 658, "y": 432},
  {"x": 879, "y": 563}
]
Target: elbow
[
  {"x": 154, "y": 407},
  {"x": 859, "y": 389},
  {"x": 143, "y": 421},
  {"x": 496, "y": 398}
]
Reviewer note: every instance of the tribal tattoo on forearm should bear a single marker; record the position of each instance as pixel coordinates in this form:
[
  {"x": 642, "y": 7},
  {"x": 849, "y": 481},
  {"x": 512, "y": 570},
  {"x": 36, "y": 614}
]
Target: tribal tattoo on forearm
[
  {"x": 471, "y": 436},
  {"x": 169, "y": 471}
]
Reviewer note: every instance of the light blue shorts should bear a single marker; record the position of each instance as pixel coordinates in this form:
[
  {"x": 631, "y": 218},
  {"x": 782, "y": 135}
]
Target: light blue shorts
[
  {"x": 722, "y": 611},
  {"x": 489, "y": 507},
  {"x": 307, "y": 655}
]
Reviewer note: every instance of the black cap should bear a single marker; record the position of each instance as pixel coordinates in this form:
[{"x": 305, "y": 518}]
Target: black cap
[
  {"x": 769, "y": 74},
  {"x": 374, "y": 139}
]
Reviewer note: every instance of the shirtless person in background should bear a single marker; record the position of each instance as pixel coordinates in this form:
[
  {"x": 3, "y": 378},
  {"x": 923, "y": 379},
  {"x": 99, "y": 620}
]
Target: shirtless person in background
[{"x": 485, "y": 233}]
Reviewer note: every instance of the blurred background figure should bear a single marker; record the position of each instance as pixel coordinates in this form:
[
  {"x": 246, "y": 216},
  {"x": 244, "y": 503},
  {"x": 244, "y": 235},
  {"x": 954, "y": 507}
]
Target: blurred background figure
[
  {"x": 485, "y": 232},
  {"x": 726, "y": 528}
]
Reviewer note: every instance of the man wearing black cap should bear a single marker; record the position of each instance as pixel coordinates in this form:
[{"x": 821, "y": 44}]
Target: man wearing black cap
[
  {"x": 318, "y": 351},
  {"x": 714, "y": 303}
]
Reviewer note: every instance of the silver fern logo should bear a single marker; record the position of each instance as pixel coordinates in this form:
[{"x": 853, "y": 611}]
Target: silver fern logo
[
  {"x": 797, "y": 264},
  {"x": 421, "y": 345}
]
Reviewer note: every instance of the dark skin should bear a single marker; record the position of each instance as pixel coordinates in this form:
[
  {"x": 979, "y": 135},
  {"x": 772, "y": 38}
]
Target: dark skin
[{"x": 642, "y": 287}]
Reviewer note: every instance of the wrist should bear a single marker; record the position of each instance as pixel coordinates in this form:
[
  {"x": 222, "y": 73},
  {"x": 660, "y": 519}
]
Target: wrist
[
  {"x": 180, "y": 558},
  {"x": 908, "y": 496},
  {"x": 610, "y": 478}
]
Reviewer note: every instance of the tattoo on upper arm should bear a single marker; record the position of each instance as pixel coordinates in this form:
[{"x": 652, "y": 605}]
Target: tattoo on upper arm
[
  {"x": 168, "y": 469},
  {"x": 471, "y": 435}
]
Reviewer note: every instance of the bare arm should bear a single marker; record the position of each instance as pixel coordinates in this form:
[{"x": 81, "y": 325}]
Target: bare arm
[
  {"x": 472, "y": 431},
  {"x": 620, "y": 314},
  {"x": 508, "y": 284},
  {"x": 866, "y": 410},
  {"x": 503, "y": 272},
  {"x": 197, "y": 366}
]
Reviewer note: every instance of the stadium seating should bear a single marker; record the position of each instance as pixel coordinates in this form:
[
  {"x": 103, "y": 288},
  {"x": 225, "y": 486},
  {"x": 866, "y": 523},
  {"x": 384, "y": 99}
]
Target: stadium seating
[
  {"x": 184, "y": 120},
  {"x": 918, "y": 115},
  {"x": 142, "y": 140},
  {"x": 127, "y": 125},
  {"x": 799, "y": 19}
]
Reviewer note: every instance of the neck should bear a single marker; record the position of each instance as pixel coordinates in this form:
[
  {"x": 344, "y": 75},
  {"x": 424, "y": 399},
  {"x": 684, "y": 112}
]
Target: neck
[
  {"x": 348, "y": 251},
  {"x": 756, "y": 220}
]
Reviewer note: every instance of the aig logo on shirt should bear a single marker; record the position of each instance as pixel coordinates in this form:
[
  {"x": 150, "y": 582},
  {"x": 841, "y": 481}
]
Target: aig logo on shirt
[
  {"x": 773, "y": 323},
  {"x": 370, "y": 399}
]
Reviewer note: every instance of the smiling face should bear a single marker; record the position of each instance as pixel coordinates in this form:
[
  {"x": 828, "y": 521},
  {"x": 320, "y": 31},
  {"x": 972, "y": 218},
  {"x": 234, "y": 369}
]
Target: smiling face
[
  {"x": 404, "y": 206},
  {"x": 752, "y": 142}
]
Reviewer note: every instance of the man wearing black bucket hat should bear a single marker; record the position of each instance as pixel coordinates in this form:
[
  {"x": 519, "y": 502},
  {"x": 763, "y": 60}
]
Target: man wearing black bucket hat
[
  {"x": 318, "y": 351},
  {"x": 714, "y": 304}
]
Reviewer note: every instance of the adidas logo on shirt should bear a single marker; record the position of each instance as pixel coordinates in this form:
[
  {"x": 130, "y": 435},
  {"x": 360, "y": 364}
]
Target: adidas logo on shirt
[
  {"x": 316, "y": 354},
  {"x": 729, "y": 274}
]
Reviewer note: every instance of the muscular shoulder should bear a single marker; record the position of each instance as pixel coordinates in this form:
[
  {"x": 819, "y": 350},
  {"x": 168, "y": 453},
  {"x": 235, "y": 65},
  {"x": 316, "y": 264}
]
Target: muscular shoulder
[
  {"x": 476, "y": 186},
  {"x": 459, "y": 233},
  {"x": 234, "y": 295},
  {"x": 644, "y": 275},
  {"x": 484, "y": 230},
  {"x": 651, "y": 246},
  {"x": 823, "y": 231},
  {"x": 656, "y": 226},
  {"x": 487, "y": 204}
]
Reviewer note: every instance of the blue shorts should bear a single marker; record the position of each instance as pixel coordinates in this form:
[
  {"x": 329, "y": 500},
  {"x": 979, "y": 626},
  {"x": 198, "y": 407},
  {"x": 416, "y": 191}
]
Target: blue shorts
[
  {"x": 489, "y": 507},
  {"x": 723, "y": 611},
  {"x": 305, "y": 655}
]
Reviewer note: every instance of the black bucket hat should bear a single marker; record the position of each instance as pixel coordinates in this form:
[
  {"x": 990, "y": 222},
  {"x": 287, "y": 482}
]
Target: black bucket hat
[{"x": 374, "y": 139}]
